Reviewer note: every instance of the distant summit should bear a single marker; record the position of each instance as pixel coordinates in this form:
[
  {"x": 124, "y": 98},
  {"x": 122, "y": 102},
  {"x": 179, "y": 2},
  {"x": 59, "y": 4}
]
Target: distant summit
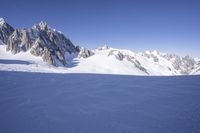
[
  {"x": 41, "y": 40},
  {"x": 41, "y": 26},
  {"x": 2, "y": 21},
  {"x": 5, "y": 30},
  {"x": 55, "y": 49}
]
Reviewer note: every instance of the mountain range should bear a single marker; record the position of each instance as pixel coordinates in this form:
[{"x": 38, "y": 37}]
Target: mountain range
[{"x": 44, "y": 49}]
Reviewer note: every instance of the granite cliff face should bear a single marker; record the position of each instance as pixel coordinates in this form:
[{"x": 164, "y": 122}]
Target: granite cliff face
[
  {"x": 5, "y": 31},
  {"x": 55, "y": 49},
  {"x": 41, "y": 40}
]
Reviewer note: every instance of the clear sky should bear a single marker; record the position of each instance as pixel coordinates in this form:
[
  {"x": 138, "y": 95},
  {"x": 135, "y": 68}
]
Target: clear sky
[{"x": 166, "y": 25}]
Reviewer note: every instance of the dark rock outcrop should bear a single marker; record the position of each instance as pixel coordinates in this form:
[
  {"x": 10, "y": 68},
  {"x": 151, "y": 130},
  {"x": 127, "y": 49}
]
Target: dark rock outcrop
[
  {"x": 183, "y": 64},
  {"x": 118, "y": 55},
  {"x": 41, "y": 40},
  {"x": 104, "y": 47},
  {"x": 5, "y": 30},
  {"x": 85, "y": 53},
  {"x": 121, "y": 56}
]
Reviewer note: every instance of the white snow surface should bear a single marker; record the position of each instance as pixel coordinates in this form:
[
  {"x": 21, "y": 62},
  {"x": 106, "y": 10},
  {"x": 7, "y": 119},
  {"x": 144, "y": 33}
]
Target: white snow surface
[
  {"x": 102, "y": 62},
  {"x": 97, "y": 103}
]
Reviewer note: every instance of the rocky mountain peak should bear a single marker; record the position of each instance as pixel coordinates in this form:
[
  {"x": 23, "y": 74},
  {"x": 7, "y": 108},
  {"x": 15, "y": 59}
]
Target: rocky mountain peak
[
  {"x": 2, "y": 21},
  {"x": 41, "y": 26},
  {"x": 54, "y": 48},
  {"x": 85, "y": 53},
  {"x": 104, "y": 47},
  {"x": 5, "y": 30},
  {"x": 41, "y": 40}
]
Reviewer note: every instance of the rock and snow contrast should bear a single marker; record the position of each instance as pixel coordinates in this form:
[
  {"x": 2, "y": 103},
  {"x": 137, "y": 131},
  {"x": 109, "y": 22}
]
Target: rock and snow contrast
[
  {"x": 36, "y": 98},
  {"x": 43, "y": 49}
]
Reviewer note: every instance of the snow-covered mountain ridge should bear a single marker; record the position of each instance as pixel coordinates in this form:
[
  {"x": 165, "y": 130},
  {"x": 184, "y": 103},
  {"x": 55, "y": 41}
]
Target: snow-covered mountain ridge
[{"x": 43, "y": 49}]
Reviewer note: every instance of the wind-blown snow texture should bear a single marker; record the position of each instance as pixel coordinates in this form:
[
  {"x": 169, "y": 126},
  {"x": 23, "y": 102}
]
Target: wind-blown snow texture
[{"x": 86, "y": 103}]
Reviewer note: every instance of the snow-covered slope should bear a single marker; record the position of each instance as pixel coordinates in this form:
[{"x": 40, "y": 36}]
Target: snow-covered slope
[
  {"x": 40, "y": 40},
  {"x": 98, "y": 63},
  {"x": 104, "y": 61},
  {"x": 43, "y": 49},
  {"x": 93, "y": 103}
]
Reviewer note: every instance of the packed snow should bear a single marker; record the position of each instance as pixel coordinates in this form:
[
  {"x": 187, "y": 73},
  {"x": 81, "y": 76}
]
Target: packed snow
[{"x": 90, "y": 103}]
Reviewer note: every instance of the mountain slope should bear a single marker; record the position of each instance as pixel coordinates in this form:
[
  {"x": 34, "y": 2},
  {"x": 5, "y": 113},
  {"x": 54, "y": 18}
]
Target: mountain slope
[
  {"x": 41, "y": 40},
  {"x": 106, "y": 61},
  {"x": 5, "y": 31},
  {"x": 43, "y": 49}
]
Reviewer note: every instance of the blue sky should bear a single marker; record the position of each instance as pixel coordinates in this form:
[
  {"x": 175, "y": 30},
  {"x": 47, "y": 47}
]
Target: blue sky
[{"x": 166, "y": 25}]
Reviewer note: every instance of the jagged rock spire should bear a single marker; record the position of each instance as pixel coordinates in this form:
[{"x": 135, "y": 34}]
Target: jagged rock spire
[
  {"x": 43, "y": 25},
  {"x": 5, "y": 30},
  {"x": 41, "y": 40},
  {"x": 2, "y": 21}
]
